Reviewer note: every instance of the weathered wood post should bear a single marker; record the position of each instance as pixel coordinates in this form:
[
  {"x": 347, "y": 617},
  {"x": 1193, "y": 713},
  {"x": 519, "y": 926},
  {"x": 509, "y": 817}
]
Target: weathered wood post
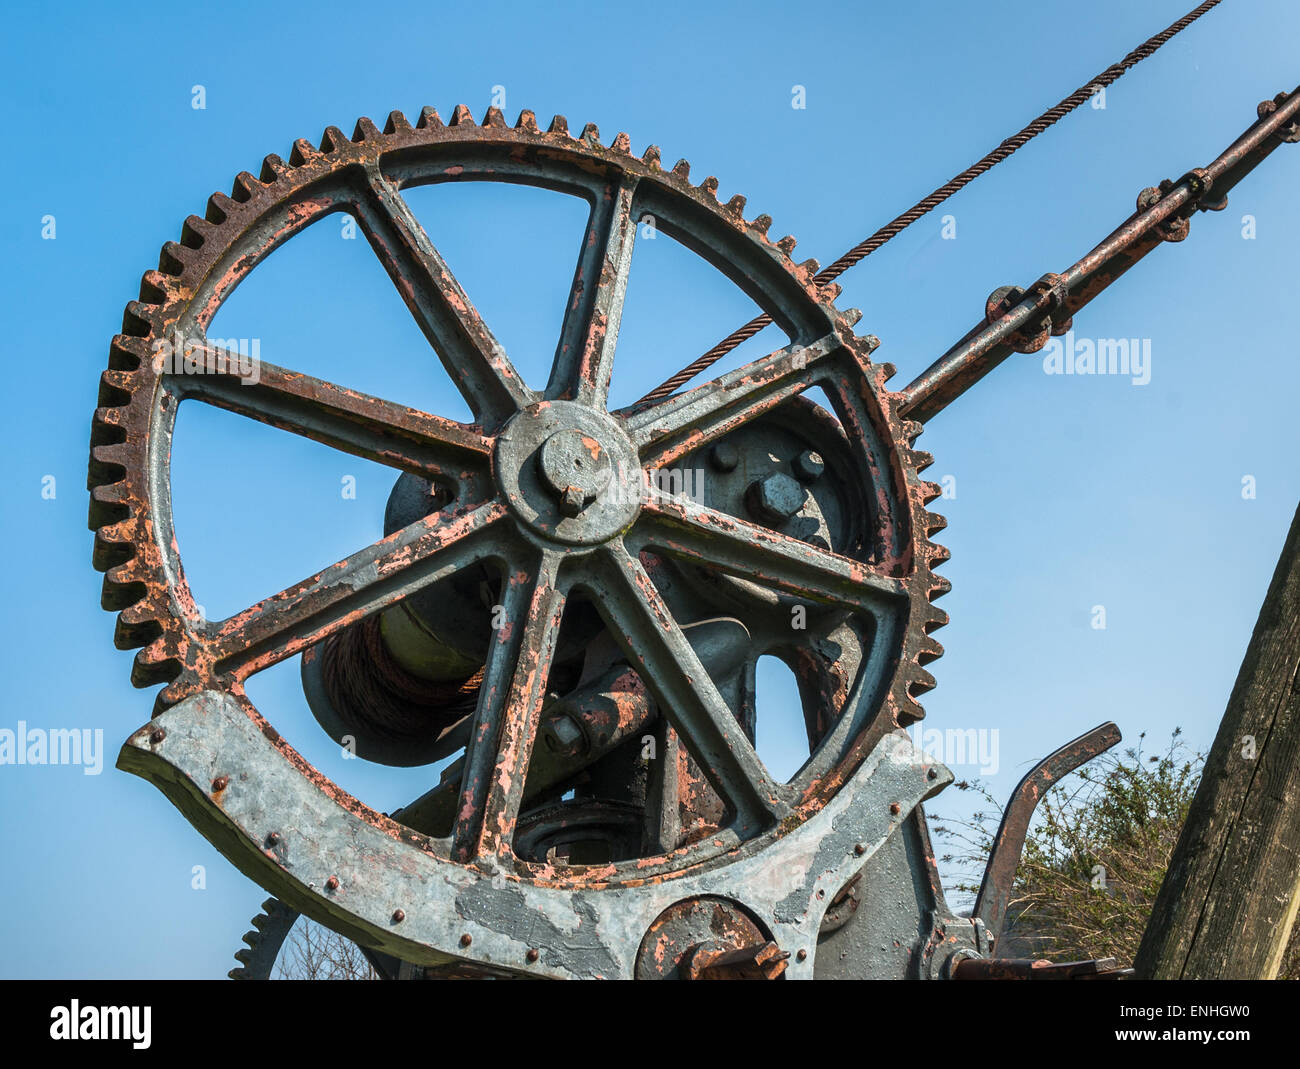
[{"x": 1228, "y": 902}]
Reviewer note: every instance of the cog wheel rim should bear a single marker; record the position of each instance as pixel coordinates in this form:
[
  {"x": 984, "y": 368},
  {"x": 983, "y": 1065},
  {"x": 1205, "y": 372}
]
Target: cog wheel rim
[{"x": 130, "y": 497}]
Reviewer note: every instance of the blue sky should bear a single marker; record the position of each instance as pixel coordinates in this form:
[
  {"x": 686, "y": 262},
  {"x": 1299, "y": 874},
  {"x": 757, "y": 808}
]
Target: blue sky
[{"x": 1071, "y": 492}]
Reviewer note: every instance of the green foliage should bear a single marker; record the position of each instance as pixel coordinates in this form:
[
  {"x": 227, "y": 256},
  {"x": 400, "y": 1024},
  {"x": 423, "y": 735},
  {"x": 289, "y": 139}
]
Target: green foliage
[{"x": 1095, "y": 856}]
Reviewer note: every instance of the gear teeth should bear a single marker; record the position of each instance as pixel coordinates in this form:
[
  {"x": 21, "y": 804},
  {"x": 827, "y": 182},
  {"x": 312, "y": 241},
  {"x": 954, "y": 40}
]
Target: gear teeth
[
  {"x": 332, "y": 140},
  {"x": 153, "y": 664},
  {"x": 938, "y": 620},
  {"x": 244, "y": 188},
  {"x": 429, "y": 119},
  {"x": 273, "y": 169},
  {"x": 922, "y": 459},
  {"x": 263, "y": 944},
  {"x": 137, "y": 319},
  {"x": 303, "y": 152},
  {"x": 710, "y": 186},
  {"x": 736, "y": 206},
  {"x": 494, "y": 117},
  {"x": 365, "y": 130},
  {"x": 195, "y": 231},
  {"x": 853, "y": 316},
  {"x": 928, "y": 650},
  {"x": 761, "y": 224},
  {"x": 172, "y": 258},
  {"x": 527, "y": 122},
  {"x": 810, "y": 266},
  {"x": 787, "y": 244},
  {"x": 830, "y": 291},
  {"x": 622, "y": 143},
  {"x": 396, "y": 123},
  {"x": 591, "y": 135},
  {"x": 462, "y": 116},
  {"x": 219, "y": 209},
  {"x": 153, "y": 287},
  {"x": 873, "y": 343},
  {"x": 559, "y": 125},
  {"x": 939, "y": 556},
  {"x": 127, "y": 353},
  {"x": 651, "y": 158},
  {"x": 682, "y": 169},
  {"x": 921, "y": 683}
]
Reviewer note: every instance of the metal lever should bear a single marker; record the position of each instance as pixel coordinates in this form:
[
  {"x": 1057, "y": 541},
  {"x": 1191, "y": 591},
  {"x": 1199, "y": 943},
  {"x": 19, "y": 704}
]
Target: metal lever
[{"x": 999, "y": 874}]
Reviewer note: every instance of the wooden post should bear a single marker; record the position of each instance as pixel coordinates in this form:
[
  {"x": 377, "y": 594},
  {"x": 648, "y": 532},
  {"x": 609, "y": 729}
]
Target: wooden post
[{"x": 1228, "y": 902}]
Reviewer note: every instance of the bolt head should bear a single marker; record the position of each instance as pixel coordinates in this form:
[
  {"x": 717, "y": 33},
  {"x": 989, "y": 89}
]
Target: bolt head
[
  {"x": 332, "y": 884},
  {"x": 157, "y": 735},
  {"x": 572, "y": 501},
  {"x": 895, "y": 808},
  {"x": 399, "y": 915},
  {"x": 724, "y": 457},
  {"x": 532, "y": 955},
  {"x": 809, "y": 466},
  {"x": 575, "y": 467},
  {"x": 466, "y": 939},
  {"x": 220, "y": 783},
  {"x": 563, "y": 735},
  {"x": 775, "y": 498}
]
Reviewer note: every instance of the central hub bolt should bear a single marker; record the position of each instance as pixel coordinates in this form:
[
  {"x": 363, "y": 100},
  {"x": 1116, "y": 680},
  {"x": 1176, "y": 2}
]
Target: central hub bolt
[{"x": 574, "y": 467}]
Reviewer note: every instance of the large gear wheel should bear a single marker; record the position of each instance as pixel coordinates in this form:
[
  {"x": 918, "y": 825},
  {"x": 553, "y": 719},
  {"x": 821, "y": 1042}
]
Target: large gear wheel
[{"x": 541, "y": 494}]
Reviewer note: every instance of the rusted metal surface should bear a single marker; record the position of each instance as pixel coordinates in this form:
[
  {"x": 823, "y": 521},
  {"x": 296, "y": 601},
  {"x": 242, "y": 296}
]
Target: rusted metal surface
[
  {"x": 1021, "y": 321},
  {"x": 1037, "y": 969},
  {"x": 1004, "y": 858},
  {"x": 534, "y": 492},
  {"x": 608, "y": 814},
  {"x": 400, "y": 895}
]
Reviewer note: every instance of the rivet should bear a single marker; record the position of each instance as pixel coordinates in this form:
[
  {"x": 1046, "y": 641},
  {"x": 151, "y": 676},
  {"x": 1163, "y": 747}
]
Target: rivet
[
  {"x": 273, "y": 838},
  {"x": 466, "y": 939},
  {"x": 332, "y": 884},
  {"x": 399, "y": 915},
  {"x": 859, "y": 849},
  {"x": 802, "y": 955},
  {"x": 220, "y": 783},
  {"x": 531, "y": 956},
  {"x": 932, "y": 774},
  {"x": 895, "y": 808},
  {"x": 157, "y": 736}
]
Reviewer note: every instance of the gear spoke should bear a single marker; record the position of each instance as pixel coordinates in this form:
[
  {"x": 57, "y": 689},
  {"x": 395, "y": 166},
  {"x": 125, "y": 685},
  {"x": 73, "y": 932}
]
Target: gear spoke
[
  {"x": 667, "y": 431},
  {"x": 356, "y": 423},
  {"x": 510, "y": 700},
  {"x": 584, "y": 359},
  {"x": 371, "y": 579},
  {"x": 687, "y": 531},
  {"x": 472, "y": 356},
  {"x": 641, "y": 622}
]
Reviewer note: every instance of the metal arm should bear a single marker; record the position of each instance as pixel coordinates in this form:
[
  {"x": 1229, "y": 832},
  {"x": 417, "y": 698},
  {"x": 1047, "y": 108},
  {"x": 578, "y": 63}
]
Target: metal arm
[{"x": 1017, "y": 320}]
